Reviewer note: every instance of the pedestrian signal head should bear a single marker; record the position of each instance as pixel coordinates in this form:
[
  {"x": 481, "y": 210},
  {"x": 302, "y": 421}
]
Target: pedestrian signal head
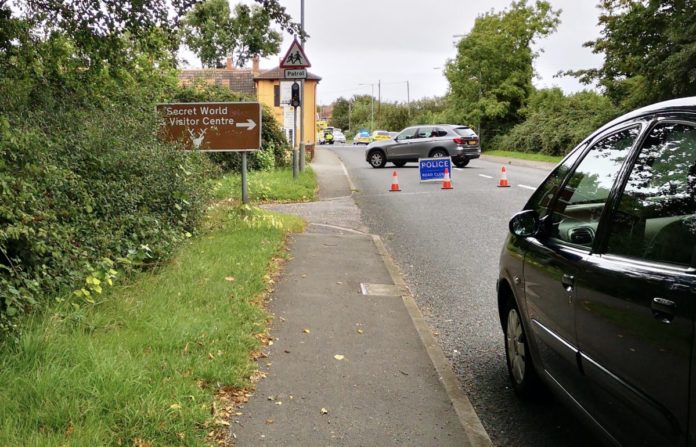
[{"x": 295, "y": 96}]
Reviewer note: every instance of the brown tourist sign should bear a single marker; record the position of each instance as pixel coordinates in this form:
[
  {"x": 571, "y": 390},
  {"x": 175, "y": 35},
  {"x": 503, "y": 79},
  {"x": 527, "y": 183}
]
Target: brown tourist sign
[{"x": 212, "y": 126}]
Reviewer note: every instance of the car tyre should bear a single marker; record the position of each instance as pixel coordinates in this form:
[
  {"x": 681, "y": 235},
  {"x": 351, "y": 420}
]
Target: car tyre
[
  {"x": 439, "y": 153},
  {"x": 399, "y": 164},
  {"x": 377, "y": 159},
  {"x": 460, "y": 163},
  {"x": 523, "y": 374}
]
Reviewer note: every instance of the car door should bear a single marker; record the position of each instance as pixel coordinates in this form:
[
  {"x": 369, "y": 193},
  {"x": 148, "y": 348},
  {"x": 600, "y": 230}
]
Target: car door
[
  {"x": 419, "y": 145},
  {"x": 551, "y": 261},
  {"x": 401, "y": 149},
  {"x": 636, "y": 299}
]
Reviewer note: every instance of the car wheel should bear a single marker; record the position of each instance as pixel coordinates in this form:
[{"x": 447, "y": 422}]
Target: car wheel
[
  {"x": 399, "y": 164},
  {"x": 377, "y": 159},
  {"x": 439, "y": 153},
  {"x": 460, "y": 163},
  {"x": 525, "y": 380}
]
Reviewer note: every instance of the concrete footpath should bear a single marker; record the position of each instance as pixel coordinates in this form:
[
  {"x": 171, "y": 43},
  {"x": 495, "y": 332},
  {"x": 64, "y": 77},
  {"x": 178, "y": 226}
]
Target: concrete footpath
[{"x": 352, "y": 361}]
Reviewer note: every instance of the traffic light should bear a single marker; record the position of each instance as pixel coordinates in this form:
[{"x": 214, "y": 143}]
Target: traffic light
[{"x": 295, "y": 97}]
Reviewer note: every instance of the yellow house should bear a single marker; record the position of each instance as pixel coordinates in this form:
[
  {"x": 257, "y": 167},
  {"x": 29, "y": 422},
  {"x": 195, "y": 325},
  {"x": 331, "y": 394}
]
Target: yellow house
[
  {"x": 270, "y": 88},
  {"x": 273, "y": 90}
]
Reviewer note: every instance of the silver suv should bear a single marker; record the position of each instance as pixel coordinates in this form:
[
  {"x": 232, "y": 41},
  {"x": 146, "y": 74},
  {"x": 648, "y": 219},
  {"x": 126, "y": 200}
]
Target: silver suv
[{"x": 426, "y": 141}]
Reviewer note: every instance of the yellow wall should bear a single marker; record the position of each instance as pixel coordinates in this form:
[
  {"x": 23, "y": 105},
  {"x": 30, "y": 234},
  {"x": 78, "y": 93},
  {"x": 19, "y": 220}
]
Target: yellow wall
[{"x": 265, "y": 95}]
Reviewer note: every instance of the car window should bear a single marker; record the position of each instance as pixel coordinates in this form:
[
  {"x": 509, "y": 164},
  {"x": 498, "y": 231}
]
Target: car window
[
  {"x": 424, "y": 132},
  {"x": 656, "y": 216},
  {"x": 438, "y": 132},
  {"x": 465, "y": 132},
  {"x": 407, "y": 134},
  {"x": 580, "y": 202},
  {"x": 541, "y": 199}
]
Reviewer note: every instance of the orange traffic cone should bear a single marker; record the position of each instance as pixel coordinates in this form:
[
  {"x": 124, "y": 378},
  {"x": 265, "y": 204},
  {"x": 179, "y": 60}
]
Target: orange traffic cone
[
  {"x": 395, "y": 183},
  {"x": 447, "y": 184},
  {"x": 503, "y": 182}
]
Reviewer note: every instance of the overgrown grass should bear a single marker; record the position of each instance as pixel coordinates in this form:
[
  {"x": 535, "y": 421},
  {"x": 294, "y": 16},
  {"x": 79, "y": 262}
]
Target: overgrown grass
[
  {"x": 264, "y": 186},
  {"x": 525, "y": 156},
  {"x": 142, "y": 365}
]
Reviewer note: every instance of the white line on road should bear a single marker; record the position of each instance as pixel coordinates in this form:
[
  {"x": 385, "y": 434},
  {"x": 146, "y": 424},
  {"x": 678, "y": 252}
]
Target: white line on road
[
  {"x": 527, "y": 187},
  {"x": 485, "y": 176}
]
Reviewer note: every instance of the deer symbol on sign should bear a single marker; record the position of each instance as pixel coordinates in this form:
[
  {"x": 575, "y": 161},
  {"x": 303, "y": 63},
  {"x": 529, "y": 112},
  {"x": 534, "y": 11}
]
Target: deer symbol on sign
[{"x": 197, "y": 140}]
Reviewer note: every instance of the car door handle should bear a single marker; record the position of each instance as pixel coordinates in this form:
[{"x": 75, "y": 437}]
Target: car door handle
[
  {"x": 568, "y": 282},
  {"x": 663, "y": 309}
]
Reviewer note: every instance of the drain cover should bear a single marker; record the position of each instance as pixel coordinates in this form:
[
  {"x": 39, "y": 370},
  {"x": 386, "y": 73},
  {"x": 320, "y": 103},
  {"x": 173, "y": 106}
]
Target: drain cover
[{"x": 380, "y": 289}]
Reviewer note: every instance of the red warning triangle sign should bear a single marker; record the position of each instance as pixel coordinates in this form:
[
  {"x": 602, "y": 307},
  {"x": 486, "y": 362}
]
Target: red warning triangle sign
[{"x": 295, "y": 57}]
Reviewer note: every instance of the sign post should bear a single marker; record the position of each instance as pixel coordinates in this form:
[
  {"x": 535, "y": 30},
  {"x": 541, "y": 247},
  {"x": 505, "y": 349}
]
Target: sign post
[
  {"x": 214, "y": 127},
  {"x": 295, "y": 63}
]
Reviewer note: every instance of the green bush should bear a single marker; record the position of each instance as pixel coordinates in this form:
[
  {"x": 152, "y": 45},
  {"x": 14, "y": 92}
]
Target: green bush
[
  {"x": 556, "y": 123},
  {"x": 82, "y": 190}
]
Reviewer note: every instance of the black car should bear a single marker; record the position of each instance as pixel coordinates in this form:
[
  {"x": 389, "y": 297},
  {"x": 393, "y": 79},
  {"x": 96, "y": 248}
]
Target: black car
[{"x": 597, "y": 286}]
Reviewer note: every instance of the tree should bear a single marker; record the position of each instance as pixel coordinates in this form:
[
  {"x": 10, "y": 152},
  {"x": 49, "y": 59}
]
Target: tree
[
  {"x": 340, "y": 117},
  {"x": 649, "y": 49},
  {"x": 491, "y": 76},
  {"x": 213, "y": 32}
]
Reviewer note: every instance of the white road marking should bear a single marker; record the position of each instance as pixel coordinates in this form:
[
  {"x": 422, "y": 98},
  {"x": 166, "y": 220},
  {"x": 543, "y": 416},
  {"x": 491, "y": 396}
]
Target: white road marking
[
  {"x": 485, "y": 176},
  {"x": 527, "y": 187}
]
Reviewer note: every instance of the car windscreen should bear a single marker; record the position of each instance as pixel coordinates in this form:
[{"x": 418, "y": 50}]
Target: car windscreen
[{"x": 465, "y": 132}]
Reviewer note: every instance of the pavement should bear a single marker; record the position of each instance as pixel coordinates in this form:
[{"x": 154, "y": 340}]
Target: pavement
[{"x": 352, "y": 362}]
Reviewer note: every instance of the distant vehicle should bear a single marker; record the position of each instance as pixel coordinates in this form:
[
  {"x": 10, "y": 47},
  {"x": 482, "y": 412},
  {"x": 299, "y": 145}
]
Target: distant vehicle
[
  {"x": 326, "y": 135},
  {"x": 380, "y": 135},
  {"x": 362, "y": 137},
  {"x": 426, "y": 141},
  {"x": 339, "y": 137},
  {"x": 393, "y": 135},
  {"x": 597, "y": 280}
]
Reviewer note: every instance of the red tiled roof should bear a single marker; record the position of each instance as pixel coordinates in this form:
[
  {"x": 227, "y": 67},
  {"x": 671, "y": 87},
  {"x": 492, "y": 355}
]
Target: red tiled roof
[{"x": 238, "y": 80}]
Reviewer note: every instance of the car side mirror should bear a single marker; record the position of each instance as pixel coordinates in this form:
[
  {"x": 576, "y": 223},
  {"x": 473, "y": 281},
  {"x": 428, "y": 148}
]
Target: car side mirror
[{"x": 525, "y": 223}]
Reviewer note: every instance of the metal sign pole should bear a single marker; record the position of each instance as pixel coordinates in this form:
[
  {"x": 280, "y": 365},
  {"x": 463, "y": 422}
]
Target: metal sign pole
[
  {"x": 302, "y": 138},
  {"x": 245, "y": 186},
  {"x": 295, "y": 163}
]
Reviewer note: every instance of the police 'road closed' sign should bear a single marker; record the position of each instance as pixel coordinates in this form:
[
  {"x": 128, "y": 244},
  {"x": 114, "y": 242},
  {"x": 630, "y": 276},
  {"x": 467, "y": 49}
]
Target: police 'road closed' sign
[{"x": 433, "y": 169}]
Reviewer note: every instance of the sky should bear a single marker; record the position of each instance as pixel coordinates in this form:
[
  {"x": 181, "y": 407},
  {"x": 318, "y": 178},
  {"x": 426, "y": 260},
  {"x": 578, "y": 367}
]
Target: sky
[{"x": 390, "y": 42}]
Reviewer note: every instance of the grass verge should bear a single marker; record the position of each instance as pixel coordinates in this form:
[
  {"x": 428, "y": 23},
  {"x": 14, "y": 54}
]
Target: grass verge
[
  {"x": 142, "y": 366},
  {"x": 265, "y": 186},
  {"x": 524, "y": 156}
]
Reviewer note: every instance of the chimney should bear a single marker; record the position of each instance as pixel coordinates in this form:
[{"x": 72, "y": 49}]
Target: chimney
[
  {"x": 255, "y": 65},
  {"x": 229, "y": 65}
]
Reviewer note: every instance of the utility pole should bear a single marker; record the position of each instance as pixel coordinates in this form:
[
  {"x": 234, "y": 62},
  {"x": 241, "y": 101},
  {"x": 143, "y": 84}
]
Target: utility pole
[
  {"x": 302, "y": 90},
  {"x": 408, "y": 99}
]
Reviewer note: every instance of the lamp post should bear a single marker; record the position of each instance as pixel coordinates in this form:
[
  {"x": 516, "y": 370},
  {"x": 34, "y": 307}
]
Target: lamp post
[
  {"x": 302, "y": 86},
  {"x": 372, "y": 106}
]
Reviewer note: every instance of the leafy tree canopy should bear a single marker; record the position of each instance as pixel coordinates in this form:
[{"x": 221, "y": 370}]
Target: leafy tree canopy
[
  {"x": 649, "y": 49},
  {"x": 214, "y": 33},
  {"x": 492, "y": 72}
]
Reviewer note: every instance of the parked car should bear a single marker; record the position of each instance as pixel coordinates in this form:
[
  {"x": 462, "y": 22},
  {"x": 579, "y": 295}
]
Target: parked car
[
  {"x": 380, "y": 135},
  {"x": 597, "y": 283},
  {"x": 440, "y": 140},
  {"x": 339, "y": 137},
  {"x": 362, "y": 137},
  {"x": 326, "y": 135}
]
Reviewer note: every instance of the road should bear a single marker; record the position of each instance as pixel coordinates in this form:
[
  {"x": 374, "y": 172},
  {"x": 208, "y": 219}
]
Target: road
[{"x": 447, "y": 244}]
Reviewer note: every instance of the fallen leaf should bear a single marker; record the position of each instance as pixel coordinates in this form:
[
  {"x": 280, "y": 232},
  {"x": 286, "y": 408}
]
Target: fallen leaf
[
  {"x": 339, "y": 357},
  {"x": 269, "y": 421},
  {"x": 186, "y": 348},
  {"x": 221, "y": 422},
  {"x": 360, "y": 331},
  {"x": 271, "y": 397},
  {"x": 279, "y": 403},
  {"x": 270, "y": 342},
  {"x": 175, "y": 406},
  {"x": 181, "y": 436},
  {"x": 229, "y": 278},
  {"x": 304, "y": 275},
  {"x": 306, "y": 331},
  {"x": 339, "y": 283},
  {"x": 324, "y": 411},
  {"x": 211, "y": 357},
  {"x": 286, "y": 351}
]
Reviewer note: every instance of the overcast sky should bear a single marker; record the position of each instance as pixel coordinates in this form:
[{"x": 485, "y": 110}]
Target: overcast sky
[{"x": 356, "y": 42}]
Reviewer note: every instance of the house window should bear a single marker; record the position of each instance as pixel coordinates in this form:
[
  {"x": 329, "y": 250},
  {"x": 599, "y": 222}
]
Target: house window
[{"x": 276, "y": 95}]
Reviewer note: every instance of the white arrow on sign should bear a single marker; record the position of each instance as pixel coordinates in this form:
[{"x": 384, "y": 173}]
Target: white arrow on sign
[{"x": 250, "y": 124}]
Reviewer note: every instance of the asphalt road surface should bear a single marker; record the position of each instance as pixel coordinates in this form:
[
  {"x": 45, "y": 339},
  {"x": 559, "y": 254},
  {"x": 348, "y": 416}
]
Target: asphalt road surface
[{"x": 447, "y": 244}]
